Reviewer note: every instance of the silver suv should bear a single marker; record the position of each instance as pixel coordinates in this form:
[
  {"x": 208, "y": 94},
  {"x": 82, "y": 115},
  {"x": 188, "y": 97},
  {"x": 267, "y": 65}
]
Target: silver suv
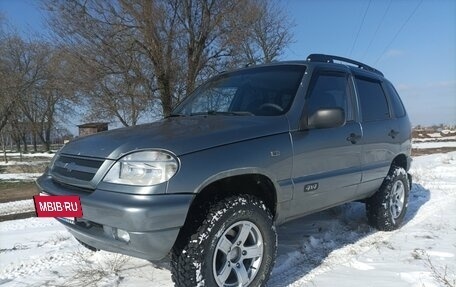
[{"x": 246, "y": 151}]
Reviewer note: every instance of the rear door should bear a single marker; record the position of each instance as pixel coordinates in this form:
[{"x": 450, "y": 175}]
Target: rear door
[
  {"x": 326, "y": 168},
  {"x": 380, "y": 132}
]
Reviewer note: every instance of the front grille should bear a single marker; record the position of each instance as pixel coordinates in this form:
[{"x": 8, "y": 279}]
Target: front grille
[{"x": 76, "y": 167}]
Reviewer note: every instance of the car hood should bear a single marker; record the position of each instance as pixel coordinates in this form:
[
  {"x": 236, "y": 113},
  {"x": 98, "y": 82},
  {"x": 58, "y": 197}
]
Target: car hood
[{"x": 180, "y": 135}]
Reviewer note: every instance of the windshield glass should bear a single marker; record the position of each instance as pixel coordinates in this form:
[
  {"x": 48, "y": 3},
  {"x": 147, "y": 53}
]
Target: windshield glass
[{"x": 263, "y": 91}]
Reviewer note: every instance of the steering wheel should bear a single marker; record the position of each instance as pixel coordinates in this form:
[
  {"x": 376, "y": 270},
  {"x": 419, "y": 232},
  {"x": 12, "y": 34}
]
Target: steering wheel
[{"x": 271, "y": 105}]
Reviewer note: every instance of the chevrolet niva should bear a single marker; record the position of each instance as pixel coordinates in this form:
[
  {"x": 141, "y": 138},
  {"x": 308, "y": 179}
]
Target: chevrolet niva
[{"x": 246, "y": 151}]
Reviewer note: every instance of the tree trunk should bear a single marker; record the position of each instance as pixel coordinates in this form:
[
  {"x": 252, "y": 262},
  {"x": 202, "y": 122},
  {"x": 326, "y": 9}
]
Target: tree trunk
[
  {"x": 18, "y": 145},
  {"x": 24, "y": 141},
  {"x": 47, "y": 142},
  {"x": 34, "y": 139},
  {"x": 166, "y": 94},
  {"x": 4, "y": 149}
]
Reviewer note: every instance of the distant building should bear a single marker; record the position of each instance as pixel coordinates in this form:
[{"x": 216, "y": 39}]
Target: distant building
[{"x": 92, "y": 128}]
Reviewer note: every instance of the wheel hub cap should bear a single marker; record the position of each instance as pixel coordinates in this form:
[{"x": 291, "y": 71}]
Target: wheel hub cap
[
  {"x": 238, "y": 255},
  {"x": 234, "y": 254},
  {"x": 397, "y": 200}
]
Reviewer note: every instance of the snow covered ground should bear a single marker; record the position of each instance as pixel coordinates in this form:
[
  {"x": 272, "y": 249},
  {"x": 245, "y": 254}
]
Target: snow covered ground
[
  {"x": 27, "y": 163},
  {"x": 32, "y": 155},
  {"x": 19, "y": 176},
  {"x": 334, "y": 247},
  {"x": 440, "y": 138},
  {"x": 15, "y": 207},
  {"x": 433, "y": 144}
]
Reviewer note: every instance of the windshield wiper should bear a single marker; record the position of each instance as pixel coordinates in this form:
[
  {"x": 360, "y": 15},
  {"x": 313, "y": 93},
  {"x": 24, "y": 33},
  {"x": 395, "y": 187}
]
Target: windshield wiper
[{"x": 215, "y": 113}]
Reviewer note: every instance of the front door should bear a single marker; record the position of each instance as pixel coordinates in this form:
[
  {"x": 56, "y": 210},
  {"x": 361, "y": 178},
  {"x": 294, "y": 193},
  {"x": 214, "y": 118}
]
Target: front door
[{"x": 327, "y": 161}]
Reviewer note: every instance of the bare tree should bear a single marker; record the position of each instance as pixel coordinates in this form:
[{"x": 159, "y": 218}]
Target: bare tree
[
  {"x": 139, "y": 52},
  {"x": 6, "y": 101},
  {"x": 112, "y": 73},
  {"x": 269, "y": 32},
  {"x": 20, "y": 70},
  {"x": 34, "y": 88},
  {"x": 53, "y": 99}
]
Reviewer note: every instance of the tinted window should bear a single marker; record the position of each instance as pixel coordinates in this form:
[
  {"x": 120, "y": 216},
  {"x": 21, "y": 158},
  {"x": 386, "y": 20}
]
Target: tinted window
[
  {"x": 396, "y": 102},
  {"x": 329, "y": 91},
  {"x": 372, "y": 99}
]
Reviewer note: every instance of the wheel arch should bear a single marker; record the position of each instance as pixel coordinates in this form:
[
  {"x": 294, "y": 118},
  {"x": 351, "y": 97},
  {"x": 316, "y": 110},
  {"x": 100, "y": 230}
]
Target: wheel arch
[
  {"x": 401, "y": 161},
  {"x": 241, "y": 181},
  {"x": 224, "y": 185}
]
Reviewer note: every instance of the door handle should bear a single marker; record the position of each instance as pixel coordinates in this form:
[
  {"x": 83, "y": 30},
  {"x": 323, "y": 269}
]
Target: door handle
[
  {"x": 393, "y": 133},
  {"x": 353, "y": 138}
]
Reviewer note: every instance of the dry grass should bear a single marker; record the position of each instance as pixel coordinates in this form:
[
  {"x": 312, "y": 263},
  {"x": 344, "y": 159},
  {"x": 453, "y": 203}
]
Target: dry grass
[
  {"x": 90, "y": 272},
  {"x": 442, "y": 274}
]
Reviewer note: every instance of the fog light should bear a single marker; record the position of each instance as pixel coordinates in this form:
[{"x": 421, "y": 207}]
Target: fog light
[{"x": 123, "y": 235}]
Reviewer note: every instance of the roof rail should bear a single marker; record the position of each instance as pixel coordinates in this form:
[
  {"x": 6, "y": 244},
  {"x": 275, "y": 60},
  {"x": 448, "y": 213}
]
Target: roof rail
[{"x": 330, "y": 59}]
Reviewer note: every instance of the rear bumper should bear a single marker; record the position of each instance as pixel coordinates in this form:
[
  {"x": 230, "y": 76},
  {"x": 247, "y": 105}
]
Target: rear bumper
[{"x": 152, "y": 221}]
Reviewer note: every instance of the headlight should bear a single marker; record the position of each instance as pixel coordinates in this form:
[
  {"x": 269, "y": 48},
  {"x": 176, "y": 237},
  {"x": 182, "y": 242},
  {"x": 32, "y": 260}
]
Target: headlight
[{"x": 143, "y": 168}]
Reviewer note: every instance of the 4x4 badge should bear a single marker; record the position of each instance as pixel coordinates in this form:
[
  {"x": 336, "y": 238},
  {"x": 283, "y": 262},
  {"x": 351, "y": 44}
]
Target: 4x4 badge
[{"x": 311, "y": 187}]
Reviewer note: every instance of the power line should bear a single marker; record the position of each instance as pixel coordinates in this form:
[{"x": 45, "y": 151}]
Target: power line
[
  {"x": 399, "y": 31},
  {"x": 378, "y": 27},
  {"x": 360, "y": 26}
]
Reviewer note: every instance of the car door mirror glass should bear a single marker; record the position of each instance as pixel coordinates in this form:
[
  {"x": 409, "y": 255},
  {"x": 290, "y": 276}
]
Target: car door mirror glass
[{"x": 325, "y": 118}]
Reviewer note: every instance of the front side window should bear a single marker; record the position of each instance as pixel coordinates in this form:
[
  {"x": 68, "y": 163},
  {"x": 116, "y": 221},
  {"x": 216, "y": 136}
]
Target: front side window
[
  {"x": 328, "y": 91},
  {"x": 263, "y": 91},
  {"x": 374, "y": 106}
]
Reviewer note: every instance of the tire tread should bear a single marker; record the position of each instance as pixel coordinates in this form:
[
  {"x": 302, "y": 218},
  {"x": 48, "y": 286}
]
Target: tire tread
[
  {"x": 377, "y": 206},
  {"x": 185, "y": 259}
]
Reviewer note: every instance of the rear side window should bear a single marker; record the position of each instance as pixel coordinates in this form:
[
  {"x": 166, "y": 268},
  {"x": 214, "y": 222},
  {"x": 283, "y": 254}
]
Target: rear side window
[
  {"x": 398, "y": 107},
  {"x": 374, "y": 106},
  {"x": 330, "y": 90}
]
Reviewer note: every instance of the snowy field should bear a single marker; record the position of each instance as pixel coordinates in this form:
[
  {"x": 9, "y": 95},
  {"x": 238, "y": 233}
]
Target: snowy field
[
  {"x": 15, "y": 207},
  {"x": 331, "y": 248},
  {"x": 433, "y": 144},
  {"x": 19, "y": 176},
  {"x": 31, "y": 155},
  {"x": 24, "y": 167}
]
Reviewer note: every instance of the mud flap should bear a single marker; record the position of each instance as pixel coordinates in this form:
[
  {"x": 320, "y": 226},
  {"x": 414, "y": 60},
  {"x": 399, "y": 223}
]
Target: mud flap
[{"x": 410, "y": 179}]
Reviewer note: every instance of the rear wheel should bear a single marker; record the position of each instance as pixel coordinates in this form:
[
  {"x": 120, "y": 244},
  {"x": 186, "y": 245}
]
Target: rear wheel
[
  {"x": 387, "y": 207},
  {"x": 234, "y": 246}
]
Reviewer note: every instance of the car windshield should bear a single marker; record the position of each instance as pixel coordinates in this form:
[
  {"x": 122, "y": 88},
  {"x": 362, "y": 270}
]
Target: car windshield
[{"x": 262, "y": 91}]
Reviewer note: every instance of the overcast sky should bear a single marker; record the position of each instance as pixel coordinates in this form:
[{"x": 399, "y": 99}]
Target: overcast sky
[{"x": 413, "y": 42}]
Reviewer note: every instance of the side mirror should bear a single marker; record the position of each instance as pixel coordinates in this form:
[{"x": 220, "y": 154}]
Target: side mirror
[{"x": 325, "y": 118}]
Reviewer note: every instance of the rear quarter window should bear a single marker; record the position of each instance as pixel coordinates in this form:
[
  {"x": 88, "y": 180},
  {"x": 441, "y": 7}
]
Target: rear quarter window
[{"x": 398, "y": 106}]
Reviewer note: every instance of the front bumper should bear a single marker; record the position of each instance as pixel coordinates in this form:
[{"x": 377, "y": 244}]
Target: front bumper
[{"x": 152, "y": 221}]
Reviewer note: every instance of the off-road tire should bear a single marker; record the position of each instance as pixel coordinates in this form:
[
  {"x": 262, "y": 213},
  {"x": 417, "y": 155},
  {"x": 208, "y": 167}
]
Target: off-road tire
[
  {"x": 193, "y": 264},
  {"x": 384, "y": 209}
]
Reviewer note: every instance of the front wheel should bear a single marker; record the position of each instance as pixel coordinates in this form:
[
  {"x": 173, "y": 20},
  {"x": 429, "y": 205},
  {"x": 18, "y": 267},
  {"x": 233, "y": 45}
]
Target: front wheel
[
  {"x": 387, "y": 207},
  {"x": 234, "y": 246}
]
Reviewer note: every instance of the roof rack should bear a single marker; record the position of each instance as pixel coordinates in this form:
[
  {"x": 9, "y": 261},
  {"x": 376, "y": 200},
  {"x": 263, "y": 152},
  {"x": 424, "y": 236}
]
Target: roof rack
[{"x": 330, "y": 59}]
